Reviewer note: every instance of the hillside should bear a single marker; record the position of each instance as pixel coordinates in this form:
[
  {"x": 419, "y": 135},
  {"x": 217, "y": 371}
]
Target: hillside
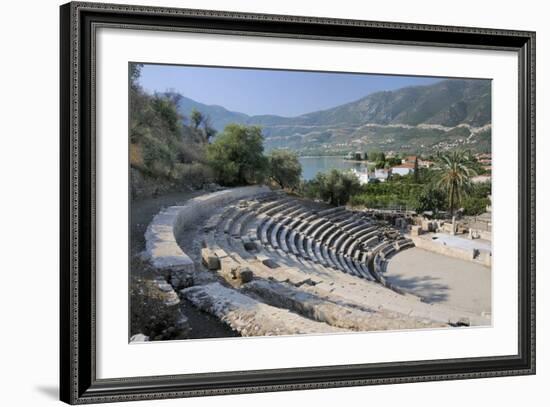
[
  {"x": 165, "y": 154},
  {"x": 445, "y": 115}
]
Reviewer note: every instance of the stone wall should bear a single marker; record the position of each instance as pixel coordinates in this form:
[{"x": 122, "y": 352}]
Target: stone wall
[
  {"x": 161, "y": 247},
  {"x": 482, "y": 257}
]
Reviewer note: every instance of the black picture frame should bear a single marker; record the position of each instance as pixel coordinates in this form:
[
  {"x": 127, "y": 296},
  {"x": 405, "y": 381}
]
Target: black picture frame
[{"x": 78, "y": 382}]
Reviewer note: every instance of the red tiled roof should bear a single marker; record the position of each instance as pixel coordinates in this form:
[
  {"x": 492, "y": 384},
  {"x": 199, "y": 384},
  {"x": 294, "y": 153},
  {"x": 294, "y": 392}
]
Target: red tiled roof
[{"x": 404, "y": 165}]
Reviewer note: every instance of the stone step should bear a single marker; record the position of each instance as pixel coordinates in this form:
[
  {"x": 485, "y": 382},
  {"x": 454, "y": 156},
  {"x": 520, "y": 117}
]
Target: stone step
[
  {"x": 248, "y": 316},
  {"x": 283, "y": 295}
]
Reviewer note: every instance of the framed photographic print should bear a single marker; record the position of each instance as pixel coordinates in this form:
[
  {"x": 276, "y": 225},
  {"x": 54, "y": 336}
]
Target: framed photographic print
[{"x": 256, "y": 203}]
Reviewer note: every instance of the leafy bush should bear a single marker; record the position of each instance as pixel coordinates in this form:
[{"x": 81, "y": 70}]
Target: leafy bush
[
  {"x": 481, "y": 190},
  {"x": 474, "y": 206},
  {"x": 388, "y": 195},
  {"x": 194, "y": 174},
  {"x": 431, "y": 199}
]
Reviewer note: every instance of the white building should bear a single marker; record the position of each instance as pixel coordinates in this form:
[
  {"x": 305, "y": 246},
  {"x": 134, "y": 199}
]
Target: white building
[
  {"x": 403, "y": 169},
  {"x": 363, "y": 176},
  {"x": 382, "y": 174}
]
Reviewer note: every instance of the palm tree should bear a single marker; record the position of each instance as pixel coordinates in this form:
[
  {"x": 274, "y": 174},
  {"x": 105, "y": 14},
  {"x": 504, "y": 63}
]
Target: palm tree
[{"x": 455, "y": 176}]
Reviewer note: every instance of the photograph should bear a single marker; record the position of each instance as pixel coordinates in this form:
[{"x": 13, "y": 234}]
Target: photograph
[
  {"x": 274, "y": 202},
  {"x": 257, "y": 202}
]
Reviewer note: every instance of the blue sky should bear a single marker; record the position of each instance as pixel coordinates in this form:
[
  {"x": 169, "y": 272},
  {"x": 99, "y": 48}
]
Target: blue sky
[{"x": 256, "y": 91}]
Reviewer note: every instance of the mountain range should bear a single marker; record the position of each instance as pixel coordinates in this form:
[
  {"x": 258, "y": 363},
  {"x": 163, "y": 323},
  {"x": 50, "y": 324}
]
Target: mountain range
[{"x": 449, "y": 114}]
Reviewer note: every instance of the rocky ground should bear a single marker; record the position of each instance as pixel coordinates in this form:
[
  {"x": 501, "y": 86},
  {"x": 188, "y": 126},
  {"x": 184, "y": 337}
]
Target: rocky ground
[{"x": 150, "y": 315}]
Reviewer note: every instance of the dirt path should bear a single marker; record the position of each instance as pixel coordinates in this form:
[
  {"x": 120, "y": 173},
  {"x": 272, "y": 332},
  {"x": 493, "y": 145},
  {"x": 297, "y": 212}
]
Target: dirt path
[{"x": 142, "y": 212}]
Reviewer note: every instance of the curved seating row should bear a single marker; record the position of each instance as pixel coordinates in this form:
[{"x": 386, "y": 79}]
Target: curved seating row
[
  {"x": 285, "y": 231},
  {"x": 302, "y": 235}
]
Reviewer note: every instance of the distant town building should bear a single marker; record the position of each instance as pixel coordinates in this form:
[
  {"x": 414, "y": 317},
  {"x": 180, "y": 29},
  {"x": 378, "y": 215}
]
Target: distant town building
[
  {"x": 484, "y": 158},
  {"x": 425, "y": 163},
  {"x": 481, "y": 179},
  {"x": 403, "y": 169},
  {"x": 378, "y": 175},
  {"x": 363, "y": 176},
  {"x": 381, "y": 174}
]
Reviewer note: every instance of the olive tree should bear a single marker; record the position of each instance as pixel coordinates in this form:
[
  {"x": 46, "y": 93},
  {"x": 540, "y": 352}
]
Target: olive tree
[
  {"x": 236, "y": 156},
  {"x": 335, "y": 187},
  {"x": 284, "y": 168}
]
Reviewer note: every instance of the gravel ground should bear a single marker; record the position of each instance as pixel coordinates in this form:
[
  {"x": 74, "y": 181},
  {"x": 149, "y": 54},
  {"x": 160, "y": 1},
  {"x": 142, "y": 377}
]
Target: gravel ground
[{"x": 440, "y": 279}]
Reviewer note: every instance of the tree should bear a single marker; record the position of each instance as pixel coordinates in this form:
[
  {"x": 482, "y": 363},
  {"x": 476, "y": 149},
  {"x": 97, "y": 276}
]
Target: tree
[
  {"x": 377, "y": 156},
  {"x": 335, "y": 187},
  {"x": 166, "y": 108},
  {"x": 393, "y": 161},
  {"x": 379, "y": 164},
  {"x": 455, "y": 176},
  {"x": 236, "y": 156},
  {"x": 284, "y": 168},
  {"x": 135, "y": 73},
  {"x": 196, "y": 118},
  {"x": 475, "y": 206},
  {"x": 431, "y": 199},
  {"x": 208, "y": 131},
  {"x": 348, "y": 186}
]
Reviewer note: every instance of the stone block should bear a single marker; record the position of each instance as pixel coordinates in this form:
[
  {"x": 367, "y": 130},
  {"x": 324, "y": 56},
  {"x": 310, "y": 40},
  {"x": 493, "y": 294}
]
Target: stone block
[
  {"x": 220, "y": 253},
  {"x": 228, "y": 267},
  {"x": 171, "y": 298},
  {"x": 139, "y": 338},
  {"x": 244, "y": 274},
  {"x": 181, "y": 279},
  {"x": 416, "y": 230},
  {"x": 267, "y": 261},
  {"x": 250, "y": 246},
  {"x": 209, "y": 259},
  {"x": 401, "y": 223},
  {"x": 428, "y": 225}
]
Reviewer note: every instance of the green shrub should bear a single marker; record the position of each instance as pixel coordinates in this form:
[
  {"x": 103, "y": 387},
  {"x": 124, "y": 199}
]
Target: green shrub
[
  {"x": 431, "y": 199},
  {"x": 194, "y": 174},
  {"x": 388, "y": 195},
  {"x": 474, "y": 206}
]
